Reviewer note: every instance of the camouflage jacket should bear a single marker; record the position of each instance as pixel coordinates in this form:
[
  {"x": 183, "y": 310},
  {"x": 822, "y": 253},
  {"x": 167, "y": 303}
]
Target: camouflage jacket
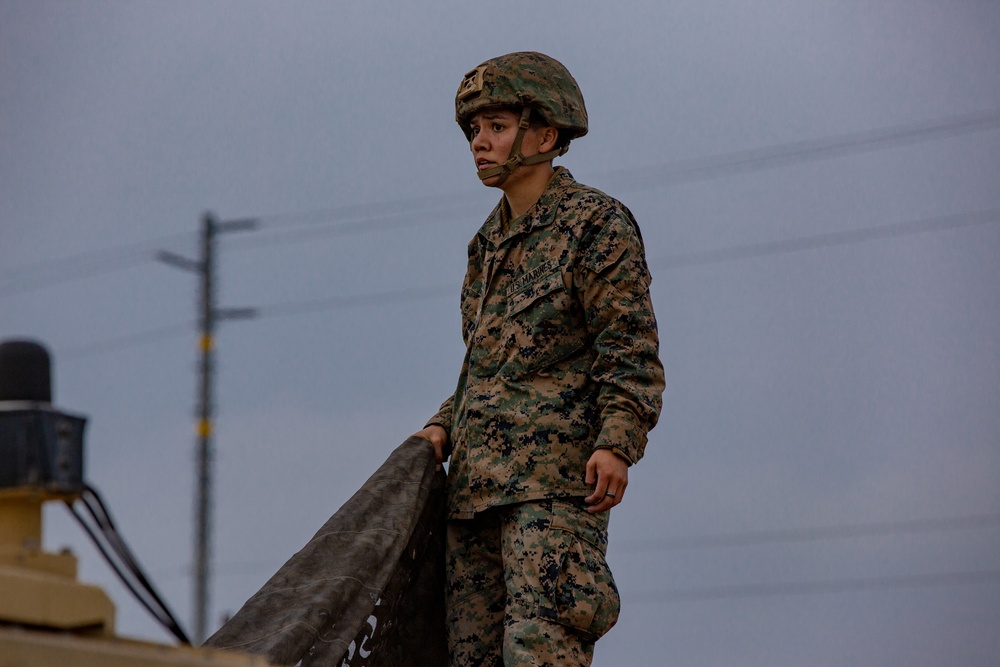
[{"x": 561, "y": 351}]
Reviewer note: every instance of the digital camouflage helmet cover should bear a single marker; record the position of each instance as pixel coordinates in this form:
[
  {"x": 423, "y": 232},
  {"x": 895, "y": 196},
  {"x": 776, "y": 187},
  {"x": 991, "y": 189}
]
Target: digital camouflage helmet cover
[{"x": 525, "y": 81}]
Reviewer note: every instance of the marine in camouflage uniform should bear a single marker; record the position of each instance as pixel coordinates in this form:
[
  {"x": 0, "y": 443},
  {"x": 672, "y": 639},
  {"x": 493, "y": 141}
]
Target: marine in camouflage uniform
[{"x": 561, "y": 362}]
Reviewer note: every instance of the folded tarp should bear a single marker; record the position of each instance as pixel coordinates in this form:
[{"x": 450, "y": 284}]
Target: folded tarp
[{"x": 368, "y": 588}]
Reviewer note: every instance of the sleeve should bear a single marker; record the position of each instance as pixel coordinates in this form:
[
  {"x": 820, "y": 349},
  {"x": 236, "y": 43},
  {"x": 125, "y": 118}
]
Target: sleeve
[
  {"x": 443, "y": 416},
  {"x": 614, "y": 280}
]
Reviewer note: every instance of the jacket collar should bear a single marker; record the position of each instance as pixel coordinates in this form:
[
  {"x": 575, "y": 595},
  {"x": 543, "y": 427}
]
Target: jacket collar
[{"x": 540, "y": 214}]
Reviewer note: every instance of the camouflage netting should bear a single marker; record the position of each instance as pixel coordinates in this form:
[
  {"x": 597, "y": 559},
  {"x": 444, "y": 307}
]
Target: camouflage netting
[{"x": 368, "y": 588}]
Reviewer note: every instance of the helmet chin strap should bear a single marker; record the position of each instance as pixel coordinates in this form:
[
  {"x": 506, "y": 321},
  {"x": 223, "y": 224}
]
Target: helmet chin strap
[{"x": 516, "y": 159}]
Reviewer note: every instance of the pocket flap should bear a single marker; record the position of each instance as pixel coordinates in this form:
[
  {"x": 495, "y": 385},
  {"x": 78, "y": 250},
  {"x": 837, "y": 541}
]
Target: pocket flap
[{"x": 525, "y": 296}]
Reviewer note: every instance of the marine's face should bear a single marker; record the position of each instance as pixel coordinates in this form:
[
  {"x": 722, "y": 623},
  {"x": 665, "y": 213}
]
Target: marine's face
[{"x": 493, "y": 134}]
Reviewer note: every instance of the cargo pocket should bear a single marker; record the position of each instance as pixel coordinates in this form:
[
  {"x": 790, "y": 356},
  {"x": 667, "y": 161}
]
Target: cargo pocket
[{"x": 582, "y": 593}]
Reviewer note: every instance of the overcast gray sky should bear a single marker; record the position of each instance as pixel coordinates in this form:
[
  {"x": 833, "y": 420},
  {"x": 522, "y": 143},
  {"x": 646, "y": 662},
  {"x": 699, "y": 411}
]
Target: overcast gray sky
[{"x": 819, "y": 375}]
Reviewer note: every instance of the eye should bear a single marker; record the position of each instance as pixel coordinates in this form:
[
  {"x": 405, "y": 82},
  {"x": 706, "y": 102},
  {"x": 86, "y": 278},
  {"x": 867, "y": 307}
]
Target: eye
[{"x": 497, "y": 127}]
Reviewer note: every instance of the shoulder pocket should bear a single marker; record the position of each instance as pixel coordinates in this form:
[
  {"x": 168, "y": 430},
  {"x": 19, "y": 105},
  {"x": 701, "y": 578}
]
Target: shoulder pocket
[{"x": 616, "y": 236}]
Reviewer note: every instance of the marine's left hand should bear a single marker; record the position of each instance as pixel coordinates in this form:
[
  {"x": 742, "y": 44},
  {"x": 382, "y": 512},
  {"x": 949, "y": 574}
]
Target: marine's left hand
[{"x": 608, "y": 474}]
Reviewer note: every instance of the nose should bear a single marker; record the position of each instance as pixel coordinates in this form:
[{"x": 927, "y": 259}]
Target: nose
[{"x": 478, "y": 142}]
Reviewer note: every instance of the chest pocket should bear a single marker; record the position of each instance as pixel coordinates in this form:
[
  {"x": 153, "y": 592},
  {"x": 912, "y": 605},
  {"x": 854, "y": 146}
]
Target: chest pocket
[{"x": 543, "y": 324}]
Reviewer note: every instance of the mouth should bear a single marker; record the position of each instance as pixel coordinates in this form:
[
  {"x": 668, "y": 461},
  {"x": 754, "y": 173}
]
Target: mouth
[{"x": 483, "y": 164}]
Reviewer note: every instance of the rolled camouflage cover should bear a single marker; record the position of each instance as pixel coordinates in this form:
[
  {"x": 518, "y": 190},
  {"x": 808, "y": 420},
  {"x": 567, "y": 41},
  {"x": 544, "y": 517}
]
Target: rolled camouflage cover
[{"x": 368, "y": 588}]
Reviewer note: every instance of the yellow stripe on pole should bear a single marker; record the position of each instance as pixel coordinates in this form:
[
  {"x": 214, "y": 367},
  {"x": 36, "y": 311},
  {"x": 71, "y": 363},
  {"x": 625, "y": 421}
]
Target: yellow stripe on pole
[
  {"x": 207, "y": 342},
  {"x": 204, "y": 428}
]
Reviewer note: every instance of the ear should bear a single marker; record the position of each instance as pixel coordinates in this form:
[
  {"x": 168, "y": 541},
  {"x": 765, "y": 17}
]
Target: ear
[{"x": 550, "y": 136}]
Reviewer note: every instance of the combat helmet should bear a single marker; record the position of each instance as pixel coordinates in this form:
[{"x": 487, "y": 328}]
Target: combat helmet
[{"x": 529, "y": 81}]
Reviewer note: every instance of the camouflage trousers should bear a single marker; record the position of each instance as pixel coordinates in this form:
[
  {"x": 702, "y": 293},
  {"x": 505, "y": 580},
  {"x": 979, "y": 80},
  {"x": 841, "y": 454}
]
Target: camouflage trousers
[{"x": 527, "y": 584}]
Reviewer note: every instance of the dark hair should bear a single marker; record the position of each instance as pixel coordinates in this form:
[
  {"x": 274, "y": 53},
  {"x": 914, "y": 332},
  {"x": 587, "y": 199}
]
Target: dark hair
[{"x": 536, "y": 121}]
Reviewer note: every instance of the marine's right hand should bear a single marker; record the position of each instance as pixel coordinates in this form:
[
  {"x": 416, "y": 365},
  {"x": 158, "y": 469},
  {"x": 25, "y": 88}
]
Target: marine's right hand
[{"x": 438, "y": 437}]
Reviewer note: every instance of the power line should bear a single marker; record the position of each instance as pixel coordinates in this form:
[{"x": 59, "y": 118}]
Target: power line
[
  {"x": 741, "y": 539},
  {"x": 814, "y": 534},
  {"x": 356, "y": 217},
  {"x": 408, "y": 213},
  {"x": 718, "y": 256},
  {"x": 679, "y": 171},
  {"x": 77, "y": 271},
  {"x": 765, "y": 590},
  {"x": 770, "y": 157},
  {"x": 376, "y": 222},
  {"x": 721, "y": 255},
  {"x": 358, "y": 301},
  {"x": 828, "y": 240},
  {"x": 287, "y": 228},
  {"x": 77, "y": 352},
  {"x": 734, "y": 591},
  {"x": 49, "y": 272}
]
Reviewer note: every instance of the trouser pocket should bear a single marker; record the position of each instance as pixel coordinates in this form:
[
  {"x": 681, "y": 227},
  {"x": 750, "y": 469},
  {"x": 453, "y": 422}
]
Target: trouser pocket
[{"x": 578, "y": 589}]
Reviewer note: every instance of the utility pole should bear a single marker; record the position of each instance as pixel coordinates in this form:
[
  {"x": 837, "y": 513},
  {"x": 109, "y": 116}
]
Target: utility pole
[{"x": 208, "y": 316}]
